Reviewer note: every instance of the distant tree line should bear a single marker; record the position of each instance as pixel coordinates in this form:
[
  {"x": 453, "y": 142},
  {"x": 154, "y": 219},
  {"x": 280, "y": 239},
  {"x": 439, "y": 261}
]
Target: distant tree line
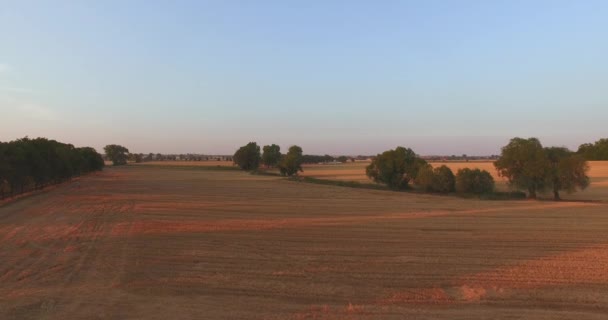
[
  {"x": 402, "y": 167},
  {"x": 249, "y": 158},
  {"x": 141, "y": 157},
  {"x": 525, "y": 163},
  {"x": 313, "y": 159},
  {"x": 31, "y": 164},
  {"x": 597, "y": 151}
]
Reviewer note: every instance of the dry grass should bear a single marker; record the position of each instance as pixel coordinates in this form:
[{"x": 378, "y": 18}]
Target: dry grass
[{"x": 141, "y": 242}]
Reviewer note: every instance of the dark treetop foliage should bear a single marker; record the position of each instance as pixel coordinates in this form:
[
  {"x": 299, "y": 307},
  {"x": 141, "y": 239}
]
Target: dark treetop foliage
[
  {"x": 310, "y": 158},
  {"x": 530, "y": 167},
  {"x": 117, "y": 154},
  {"x": 524, "y": 163},
  {"x": 425, "y": 178},
  {"x": 395, "y": 168},
  {"x": 291, "y": 163},
  {"x": 474, "y": 181},
  {"x": 597, "y": 151},
  {"x": 29, "y": 164},
  {"x": 248, "y": 156},
  {"x": 271, "y": 155},
  {"x": 567, "y": 171},
  {"x": 444, "y": 180},
  {"x": 440, "y": 179}
]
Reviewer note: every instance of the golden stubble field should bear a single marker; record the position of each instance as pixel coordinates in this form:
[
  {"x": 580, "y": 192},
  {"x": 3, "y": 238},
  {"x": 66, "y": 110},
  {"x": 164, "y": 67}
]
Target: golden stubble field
[
  {"x": 356, "y": 172},
  {"x": 142, "y": 242}
]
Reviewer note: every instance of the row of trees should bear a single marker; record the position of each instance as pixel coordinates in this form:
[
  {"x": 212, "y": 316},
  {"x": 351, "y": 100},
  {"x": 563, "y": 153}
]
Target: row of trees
[
  {"x": 594, "y": 151},
  {"x": 310, "y": 159},
  {"x": 525, "y": 163},
  {"x": 30, "y": 164},
  {"x": 249, "y": 157},
  {"x": 399, "y": 167},
  {"x": 140, "y": 157}
]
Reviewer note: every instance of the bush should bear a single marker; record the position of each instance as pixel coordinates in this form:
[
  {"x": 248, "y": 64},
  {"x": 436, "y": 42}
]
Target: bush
[
  {"x": 291, "y": 163},
  {"x": 444, "y": 180},
  {"x": 440, "y": 179},
  {"x": 474, "y": 181},
  {"x": 425, "y": 179}
]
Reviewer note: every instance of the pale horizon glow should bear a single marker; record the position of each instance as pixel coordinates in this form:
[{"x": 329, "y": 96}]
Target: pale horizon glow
[{"x": 343, "y": 77}]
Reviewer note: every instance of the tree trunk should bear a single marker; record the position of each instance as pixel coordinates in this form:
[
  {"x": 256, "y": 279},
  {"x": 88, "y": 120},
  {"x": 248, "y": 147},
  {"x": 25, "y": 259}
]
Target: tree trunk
[
  {"x": 532, "y": 193},
  {"x": 556, "y": 195}
]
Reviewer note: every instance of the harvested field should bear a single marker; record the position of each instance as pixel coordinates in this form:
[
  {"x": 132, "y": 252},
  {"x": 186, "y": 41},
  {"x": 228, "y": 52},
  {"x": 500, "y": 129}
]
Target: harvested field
[
  {"x": 152, "y": 242},
  {"x": 356, "y": 172}
]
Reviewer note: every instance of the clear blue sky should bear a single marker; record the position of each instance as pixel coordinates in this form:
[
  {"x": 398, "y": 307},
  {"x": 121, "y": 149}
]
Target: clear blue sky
[{"x": 338, "y": 77}]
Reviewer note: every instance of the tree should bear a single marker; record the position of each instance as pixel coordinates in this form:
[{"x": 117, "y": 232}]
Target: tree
[
  {"x": 474, "y": 181},
  {"x": 291, "y": 163},
  {"x": 568, "y": 171},
  {"x": 271, "y": 155},
  {"x": 597, "y": 151},
  {"x": 425, "y": 178},
  {"x": 524, "y": 163},
  {"x": 117, "y": 154},
  {"x": 395, "y": 168},
  {"x": 91, "y": 160},
  {"x": 444, "y": 180},
  {"x": 248, "y": 156},
  {"x": 440, "y": 179}
]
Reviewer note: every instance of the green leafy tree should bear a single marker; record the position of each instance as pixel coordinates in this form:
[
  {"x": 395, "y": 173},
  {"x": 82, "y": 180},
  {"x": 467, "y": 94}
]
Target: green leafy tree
[
  {"x": 597, "y": 151},
  {"x": 524, "y": 163},
  {"x": 425, "y": 179},
  {"x": 91, "y": 160},
  {"x": 444, "y": 179},
  {"x": 117, "y": 154},
  {"x": 248, "y": 156},
  {"x": 271, "y": 155},
  {"x": 291, "y": 163},
  {"x": 440, "y": 179},
  {"x": 567, "y": 172},
  {"x": 30, "y": 164},
  {"x": 395, "y": 168},
  {"x": 474, "y": 181}
]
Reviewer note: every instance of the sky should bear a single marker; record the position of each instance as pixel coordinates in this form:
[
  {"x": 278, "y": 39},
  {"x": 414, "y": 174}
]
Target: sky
[{"x": 336, "y": 77}]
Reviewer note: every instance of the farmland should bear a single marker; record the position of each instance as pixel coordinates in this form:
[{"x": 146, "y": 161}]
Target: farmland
[
  {"x": 355, "y": 171},
  {"x": 160, "y": 242}
]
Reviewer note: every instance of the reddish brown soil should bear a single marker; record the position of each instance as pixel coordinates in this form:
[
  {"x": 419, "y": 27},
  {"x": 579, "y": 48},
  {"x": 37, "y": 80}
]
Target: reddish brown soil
[{"x": 163, "y": 243}]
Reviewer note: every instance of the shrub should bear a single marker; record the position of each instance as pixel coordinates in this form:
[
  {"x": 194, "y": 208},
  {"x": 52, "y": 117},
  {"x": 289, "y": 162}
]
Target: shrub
[
  {"x": 444, "y": 180},
  {"x": 474, "y": 181},
  {"x": 440, "y": 179}
]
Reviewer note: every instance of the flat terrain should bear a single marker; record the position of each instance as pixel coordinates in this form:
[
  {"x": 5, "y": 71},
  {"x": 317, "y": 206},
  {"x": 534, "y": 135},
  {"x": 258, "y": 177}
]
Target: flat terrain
[
  {"x": 356, "y": 172},
  {"x": 150, "y": 242}
]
